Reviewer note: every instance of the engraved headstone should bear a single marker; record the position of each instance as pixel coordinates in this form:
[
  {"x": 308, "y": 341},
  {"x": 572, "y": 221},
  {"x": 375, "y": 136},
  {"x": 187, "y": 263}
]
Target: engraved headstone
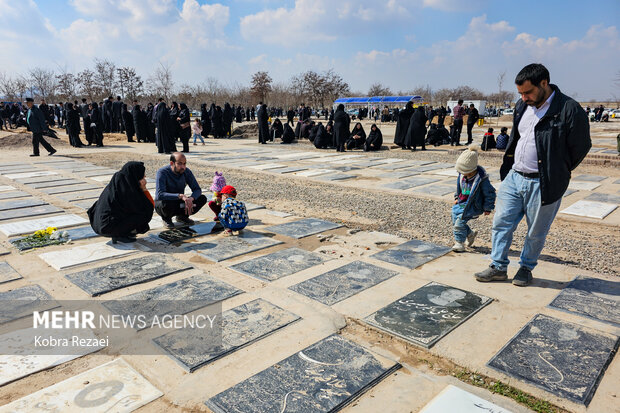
[
  {"x": 8, "y": 273},
  {"x": 335, "y": 177},
  {"x": 590, "y": 209},
  {"x": 411, "y": 254},
  {"x": 589, "y": 178},
  {"x": 607, "y": 198},
  {"x": 591, "y": 297},
  {"x": 80, "y": 196},
  {"x": 411, "y": 182},
  {"x": 240, "y": 326},
  {"x": 86, "y": 254},
  {"x": 100, "y": 280},
  {"x": 13, "y": 194},
  {"x": 21, "y": 203},
  {"x": 51, "y": 184},
  {"x": 563, "y": 358},
  {"x": 344, "y": 282},
  {"x": 323, "y": 377},
  {"x": 289, "y": 169},
  {"x": 453, "y": 399},
  {"x": 583, "y": 186},
  {"x": 73, "y": 234},
  {"x": 68, "y": 188},
  {"x": 29, "y": 174},
  {"x": 224, "y": 248},
  {"x": 21, "y": 302},
  {"x": 279, "y": 264},
  {"x": 29, "y": 212},
  {"x": 184, "y": 233},
  {"x": 303, "y": 227},
  {"x": 427, "y": 314},
  {"x": 5, "y": 188},
  {"x": 30, "y": 226},
  {"x": 439, "y": 189}
]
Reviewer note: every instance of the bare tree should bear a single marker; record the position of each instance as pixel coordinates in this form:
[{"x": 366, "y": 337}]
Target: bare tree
[
  {"x": 424, "y": 91},
  {"x": 88, "y": 85},
  {"x": 7, "y": 86},
  {"x": 130, "y": 82},
  {"x": 500, "y": 81},
  {"x": 67, "y": 84},
  {"x": 105, "y": 76},
  {"x": 21, "y": 87},
  {"x": 377, "y": 89},
  {"x": 160, "y": 83},
  {"x": 319, "y": 88},
  {"x": 43, "y": 81},
  {"x": 261, "y": 85}
]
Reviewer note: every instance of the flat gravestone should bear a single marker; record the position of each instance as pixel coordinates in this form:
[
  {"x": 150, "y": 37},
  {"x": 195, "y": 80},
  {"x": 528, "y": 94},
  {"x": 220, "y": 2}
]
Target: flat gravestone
[
  {"x": 289, "y": 170},
  {"x": 323, "y": 377},
  {"x": 6, "y": 188},
  {"x": 591, "y": 297},
  {"x": 29, "y": 174},
  {"x": 439, "y": 189},
  {"x": 432, "y": 167},
  {"x": 569, "y": 191},
  {"x": 225, "y": 248},
  {"x": 590, "y": 209},
  {"x": 40, "y": 180},
  {"x": 411, "y": 254},
  {"x": 84, "y": 204},
  {"x": 606, "y": 198},
  {"x": 181, "y": 234},
  {"x": 73, "y": 234},
  {"x": 253, "y": 207},
  {"x": 346, "y": 168},
  {"x": 52, "y": 184},
  {"x": 411, "y": 182},
  {"x": 13, "y": 194},
  {"x": 21, "y": 203},
  {"x": 453, "y": 399},
  {"x": 562, "y": 358},
  {"x": 29, "y": 212},
  {"x": 30, "y": 226},
  {"x": 267, "y": 166},
  {"x": 97, "y": 172},
  {"x": 178, "y": 297},
  {"x": 111, "y": 387},
  {"x": 335, "y": 177},
  {"x": 314, "y": 172},
  {"x": 97, "y": 281},
  {"x": 102, "y": 178},
  {"x": 583, "y": 186},
  {"x": 303, "y": 227},
  {"x": 240, "y": 326},
  {"x": 278, "y": 214},
  {"x": 617, "y": 182},
  {"x": 344, "y": 282},
  {"x": 589, "y": 178},
  {"x": 68, "y": 188},
  {"x": 427, "y": 314},
  {"x": 399, "y": 174},
  {"x": 21, "y": 302},
  {"x": 8, "y": 273},
  {"x": 80, "y": 196},
  {"x": 86, "y": 254},
  {"x": 447, "y": 172},
  {"x": 279, "y": 264}
]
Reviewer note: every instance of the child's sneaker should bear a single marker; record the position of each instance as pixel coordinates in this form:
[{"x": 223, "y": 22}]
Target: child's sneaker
[
  {"x": 458, "y": 247},
  {"x": 471, "y": 238}
]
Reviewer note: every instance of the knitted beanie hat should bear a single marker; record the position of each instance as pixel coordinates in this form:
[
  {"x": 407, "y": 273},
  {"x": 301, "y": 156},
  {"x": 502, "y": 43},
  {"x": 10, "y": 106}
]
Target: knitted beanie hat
[
  {"x": 468, "y": 161},
  {"x": 219, "y": 182}
]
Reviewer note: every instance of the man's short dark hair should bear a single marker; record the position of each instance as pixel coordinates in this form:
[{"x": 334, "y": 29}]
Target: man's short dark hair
[
  {"x": 84, "y": 100},
  {"x": 534, "y": 72},
  {"x": 460, "y": 101},
  {"x": 471, "y": 105},
  {"x": 118, "y": 98},
  {"x": 160, "y": 99},
  {"x": 173, "y": 158}
]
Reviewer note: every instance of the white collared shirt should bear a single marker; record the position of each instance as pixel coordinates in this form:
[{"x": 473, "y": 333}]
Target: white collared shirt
[{"x": 526, "y": 155}]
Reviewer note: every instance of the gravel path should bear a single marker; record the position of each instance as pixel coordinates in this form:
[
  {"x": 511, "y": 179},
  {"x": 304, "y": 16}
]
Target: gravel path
[{"x": 583, "y": 245}]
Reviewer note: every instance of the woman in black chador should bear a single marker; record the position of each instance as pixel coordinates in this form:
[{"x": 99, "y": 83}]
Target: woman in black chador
[{"x": 125, "y": 207}]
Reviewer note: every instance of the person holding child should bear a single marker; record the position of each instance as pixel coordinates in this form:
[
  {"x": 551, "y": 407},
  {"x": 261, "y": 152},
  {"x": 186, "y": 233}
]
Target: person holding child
[
  {"x": 474, "y": 196},
  {"x": 234, "y": 215}
]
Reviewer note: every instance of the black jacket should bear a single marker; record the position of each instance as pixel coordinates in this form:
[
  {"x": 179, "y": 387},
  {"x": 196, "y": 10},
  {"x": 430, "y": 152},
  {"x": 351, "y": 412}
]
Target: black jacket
[{"x": 562, "y": 141}]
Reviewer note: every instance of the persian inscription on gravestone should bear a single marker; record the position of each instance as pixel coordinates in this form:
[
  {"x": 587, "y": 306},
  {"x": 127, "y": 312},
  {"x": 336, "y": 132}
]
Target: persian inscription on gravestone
[
  {"x": 21, "y": 302},
  {"x": 28, "y": 212},
  {"x": 452, "y": 396},
  {"x": 180, "y": 234},
  {"x": 8, "y": 273},
  {"x": 427, "y": 314},
  {"x": 303, "y": 227},
  {"x": 279, "y": 264},
  {"x": 591, "y": 297},
  {"x": 411, "y": 254},
  {"x": 221, "y": 249},
  {"x": 323, "y": 377},
  {"x": 240, "y": 326},
  {"x": 563, "y": 358}
]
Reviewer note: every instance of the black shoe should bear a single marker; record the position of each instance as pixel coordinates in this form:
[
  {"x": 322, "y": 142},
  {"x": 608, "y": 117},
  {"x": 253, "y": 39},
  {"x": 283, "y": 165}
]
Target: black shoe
[
  {"x": 523, "y": 277},
  {"x": 53, "y": 151},
  {"x": 491, "y": 274},
  {"x": 123, "y": 240},
  {"x": 184, "y": 219},
  {"x": 34, "y": 154},
  {"x": 168, "y": 223}
]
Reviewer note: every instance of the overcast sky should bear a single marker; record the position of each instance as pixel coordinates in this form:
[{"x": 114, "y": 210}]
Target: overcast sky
[{"x": 400, "y": 43}]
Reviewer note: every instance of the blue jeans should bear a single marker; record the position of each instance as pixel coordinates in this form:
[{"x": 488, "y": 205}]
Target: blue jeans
[
  {"x": 460, "y": 227},
  {"x": 519, "y": 196},
  {"x": 197, "y": 136}
]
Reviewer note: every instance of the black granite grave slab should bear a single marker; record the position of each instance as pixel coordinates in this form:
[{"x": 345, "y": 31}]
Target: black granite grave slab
[
  {"x": 97, "y": 281},
  {"x": 21, "y": 302},
  {"x": 21, "y": 203},
  {"x": 73, "y": 234},
  {"x": 607, "y": 198},
  {"x": 591, "y": 297},
  {"x": 178, "y": 297},
  {"x": 279, "y": 264},
  {"x": 562, "y": 358},
  {"x": 303, "y": 227},
  {"x": 29, "y": 212},
  {"x": 324, "y": 377},
  {"x": 224, "y": 248},
  {"x": 172, "y": 236},
  {"x": 240, "y": 326},
  {"x": 344, "y": 282},
  {"x": 412, "y": 253},
  {"x": 427, "y": 314},
  {"x": 8, "y": 273},
  {"x": 59, "y": 182},
  {"x": 589, "y": 178},
  {"x": 68, "y": 188},
  {"x": 13, "y": 194}
]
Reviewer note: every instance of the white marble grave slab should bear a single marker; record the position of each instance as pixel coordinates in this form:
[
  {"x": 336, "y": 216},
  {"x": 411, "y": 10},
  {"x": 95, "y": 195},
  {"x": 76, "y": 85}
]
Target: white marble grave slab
[
  {"x": 266, "y": 166},
  {"x": 279, "y": 214},
  {"x": 30, "y": 226},
  {"x": 446, "y": 172},
  {"x": 4, "y": 188},
  {"x": 314, "y": 172},
  {"x": 112, "y": 387},
  {"x": 583, "y": 186},
  {"x": 86, "y": 254},
  {"x": 452, "y": 399},
  {"x": 17, "y": 360},
  {"x": 30, "y": 174},
  {"x": 590, "y": 209},
  {"x": 102, "y": 178}
]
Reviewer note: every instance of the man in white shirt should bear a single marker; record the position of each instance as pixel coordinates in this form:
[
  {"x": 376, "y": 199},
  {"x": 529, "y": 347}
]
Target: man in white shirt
[{"x": 550, "y": 137}]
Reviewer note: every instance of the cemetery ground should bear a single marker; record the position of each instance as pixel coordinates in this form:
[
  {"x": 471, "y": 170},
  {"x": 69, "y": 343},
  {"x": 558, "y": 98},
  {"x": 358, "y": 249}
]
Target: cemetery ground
[{"x": 345, "y": 311}]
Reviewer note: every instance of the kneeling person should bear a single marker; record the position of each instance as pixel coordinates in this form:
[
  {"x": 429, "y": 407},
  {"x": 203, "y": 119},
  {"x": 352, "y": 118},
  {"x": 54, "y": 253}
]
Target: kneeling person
[
  {"x": 170, "y": 198},
  {"x": 234, "y": 215}
]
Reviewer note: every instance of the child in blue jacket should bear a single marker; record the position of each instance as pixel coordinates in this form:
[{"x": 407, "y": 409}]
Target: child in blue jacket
[
  {"x": 474, "y": 196},
  {"x": 234, "y": 214}
]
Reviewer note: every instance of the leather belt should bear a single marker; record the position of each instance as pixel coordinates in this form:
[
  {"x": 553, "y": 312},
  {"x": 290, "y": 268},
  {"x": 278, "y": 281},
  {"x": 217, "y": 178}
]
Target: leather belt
[{"x": 528, "y": 175}]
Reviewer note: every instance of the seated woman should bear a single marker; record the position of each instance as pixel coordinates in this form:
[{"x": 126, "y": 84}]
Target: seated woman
[
  {"x": 323, "y": 138},
  {"x": 314, "y": 131},
  {"x": 374, "y": 140},
  {"x": 125, "y": 207},
  {"x": 276, "y": 130},
  {"x": 288, "y": 135},
  {"x": 357, "y": 138}
]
